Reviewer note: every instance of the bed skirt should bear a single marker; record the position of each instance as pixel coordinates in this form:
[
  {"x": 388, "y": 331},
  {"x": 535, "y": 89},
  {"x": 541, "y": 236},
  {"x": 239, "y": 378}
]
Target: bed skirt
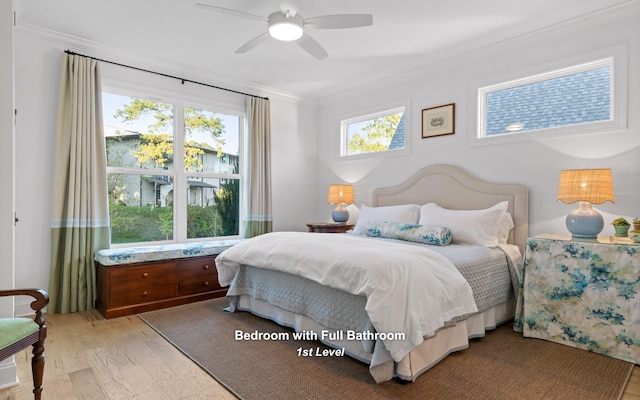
[{"x": 420, "y": 359}]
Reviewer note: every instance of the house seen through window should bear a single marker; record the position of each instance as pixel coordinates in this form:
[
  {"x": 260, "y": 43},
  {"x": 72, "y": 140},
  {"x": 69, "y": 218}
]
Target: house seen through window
[
  {"x": 378, "y": 132},
  {"x": 578, "y": 95},
  {"x": 173, "y": 170}
]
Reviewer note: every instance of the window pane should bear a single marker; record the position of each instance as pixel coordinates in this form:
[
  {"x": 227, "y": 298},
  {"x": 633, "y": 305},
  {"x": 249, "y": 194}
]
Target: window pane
[
  {"x": 140, "y": 208},
  {"x": 383, "y": 132},
  {"x": 550, "y": 103},
  {"x": 213, "y": 207},
  {"x": 141, "y": 145},
  {"x": 212, "y": 141},
  {"x": 138, "y": 132}
]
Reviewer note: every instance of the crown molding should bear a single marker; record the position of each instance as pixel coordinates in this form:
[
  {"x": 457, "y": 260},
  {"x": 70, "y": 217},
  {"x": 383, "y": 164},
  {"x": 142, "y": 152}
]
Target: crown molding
[
  {"x": 482, "y": 47},
  {"x": 115, "y": 54}
]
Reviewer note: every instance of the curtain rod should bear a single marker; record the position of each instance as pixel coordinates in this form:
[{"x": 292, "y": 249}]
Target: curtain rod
[{"x": 183, "y": 80}]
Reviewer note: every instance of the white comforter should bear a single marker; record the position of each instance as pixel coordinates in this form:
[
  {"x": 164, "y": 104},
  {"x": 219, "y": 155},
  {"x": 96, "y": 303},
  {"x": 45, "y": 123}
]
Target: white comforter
[{"x": 409, "y": 289}]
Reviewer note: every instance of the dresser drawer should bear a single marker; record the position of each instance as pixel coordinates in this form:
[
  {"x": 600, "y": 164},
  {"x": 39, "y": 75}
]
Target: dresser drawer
[
  {"x": 142, "y": 284},
  {"x": 197, "y": 276}
]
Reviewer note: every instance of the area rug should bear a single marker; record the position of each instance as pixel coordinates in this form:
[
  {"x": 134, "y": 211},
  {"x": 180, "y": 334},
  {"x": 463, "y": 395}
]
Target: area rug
[{"x": 502, "y": 365}]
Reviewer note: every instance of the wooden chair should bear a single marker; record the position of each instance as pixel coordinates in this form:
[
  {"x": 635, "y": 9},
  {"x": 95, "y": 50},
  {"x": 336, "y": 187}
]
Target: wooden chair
[{"x": 17, "y": 334}]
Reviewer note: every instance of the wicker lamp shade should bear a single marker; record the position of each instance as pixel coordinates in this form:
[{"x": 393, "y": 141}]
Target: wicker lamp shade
[
  {"x": 586, "y": 187},
  {"x": 340, "y": 194},
  {"x": 592, "y": 185}
]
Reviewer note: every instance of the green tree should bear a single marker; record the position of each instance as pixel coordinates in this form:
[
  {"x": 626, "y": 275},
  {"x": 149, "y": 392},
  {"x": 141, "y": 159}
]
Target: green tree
[
  {"x": 156, "y": 145},
  {"x": 195, "y": 120},
  {"x": 227, "y": 200},
  {"x": 155, "y": 148},
  {"x": 375, "y": 136}
]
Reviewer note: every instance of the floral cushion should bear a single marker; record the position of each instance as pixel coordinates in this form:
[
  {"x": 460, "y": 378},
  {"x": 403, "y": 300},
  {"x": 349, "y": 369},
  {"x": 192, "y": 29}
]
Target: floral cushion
[
  {"x": 130, "y": 255},
  {"x": 435, "y": 235}
]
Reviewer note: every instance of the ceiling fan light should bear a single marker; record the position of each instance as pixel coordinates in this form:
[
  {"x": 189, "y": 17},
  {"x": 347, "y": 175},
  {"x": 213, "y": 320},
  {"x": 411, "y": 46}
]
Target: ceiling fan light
[
  {"x": 285, "y": 27},
  {"x": 286, "y": 31}
]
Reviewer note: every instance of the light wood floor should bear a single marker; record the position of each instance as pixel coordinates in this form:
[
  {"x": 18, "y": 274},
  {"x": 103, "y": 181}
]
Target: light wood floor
[{"x": 90, "y": 358}]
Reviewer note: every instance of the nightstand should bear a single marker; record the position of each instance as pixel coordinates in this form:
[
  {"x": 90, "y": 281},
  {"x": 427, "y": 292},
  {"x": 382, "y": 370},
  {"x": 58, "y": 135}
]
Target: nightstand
[
  {"x": 582, "y": 293},
  {"x": 328, "y": 227}
]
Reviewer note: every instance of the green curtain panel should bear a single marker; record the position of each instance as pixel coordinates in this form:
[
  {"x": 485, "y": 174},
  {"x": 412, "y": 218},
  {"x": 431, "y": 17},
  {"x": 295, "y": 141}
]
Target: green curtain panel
[
  {"x": 80, "y": 212},
  {"x": 257, "y": 206}
]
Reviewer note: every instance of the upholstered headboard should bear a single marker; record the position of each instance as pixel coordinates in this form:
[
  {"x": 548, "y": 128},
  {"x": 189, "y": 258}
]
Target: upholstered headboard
[{"x": 453, "y": 188}]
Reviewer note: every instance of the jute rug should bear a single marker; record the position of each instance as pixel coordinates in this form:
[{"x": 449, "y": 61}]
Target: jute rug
[{"x": 502, "y": 365}]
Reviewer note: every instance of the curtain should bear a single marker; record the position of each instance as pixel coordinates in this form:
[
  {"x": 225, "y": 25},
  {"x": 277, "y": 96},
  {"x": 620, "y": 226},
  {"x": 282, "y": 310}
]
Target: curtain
[
  {"x": 80, "y": 213},
  {"x": 257, "y": 188}
]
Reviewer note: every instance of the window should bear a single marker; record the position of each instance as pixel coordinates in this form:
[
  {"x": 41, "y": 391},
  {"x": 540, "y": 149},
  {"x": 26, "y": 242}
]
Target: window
[
  {"x": 562, "y": 100},
  {"x": 173, "y": 170},
  {"x": 373, "y": 133}
]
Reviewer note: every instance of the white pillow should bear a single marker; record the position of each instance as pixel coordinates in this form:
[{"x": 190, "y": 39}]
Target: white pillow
[
  {"x": 506, "y": 225},
  {"x": 406, "y": 214},
  {"x": 354, "y": 213},
  {"x": 481, "y": 227}
]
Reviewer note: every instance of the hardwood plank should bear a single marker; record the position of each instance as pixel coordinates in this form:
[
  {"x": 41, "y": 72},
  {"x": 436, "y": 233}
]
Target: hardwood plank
[
  {"x": 109, "y": 375},
  {"x": 86, "y": 385},
  {"x": 143, "y": 383},
  {"x": 632, "y": 391}
]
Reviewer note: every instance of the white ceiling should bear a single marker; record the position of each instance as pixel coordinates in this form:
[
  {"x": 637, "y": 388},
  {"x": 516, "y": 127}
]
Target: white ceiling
[{"x": 406, "y": 35}]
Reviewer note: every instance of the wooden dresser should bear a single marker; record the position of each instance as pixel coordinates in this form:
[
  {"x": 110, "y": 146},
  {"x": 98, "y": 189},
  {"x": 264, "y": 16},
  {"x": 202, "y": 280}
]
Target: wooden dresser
[{"x": 141, "y": 287}]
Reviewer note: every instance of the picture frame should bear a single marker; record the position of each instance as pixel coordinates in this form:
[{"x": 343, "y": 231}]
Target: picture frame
[{"x": 438, "y": 121}]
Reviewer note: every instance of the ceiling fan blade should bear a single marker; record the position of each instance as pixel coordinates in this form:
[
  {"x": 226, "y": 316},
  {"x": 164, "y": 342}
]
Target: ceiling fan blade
[
  {"x": 231, "y": 12},
  {"x": 256, "y": 41},
  {"x": 339, "y": 21},
  {"x": 312, "y": 47},
  {"x": 289, "y": 6}
]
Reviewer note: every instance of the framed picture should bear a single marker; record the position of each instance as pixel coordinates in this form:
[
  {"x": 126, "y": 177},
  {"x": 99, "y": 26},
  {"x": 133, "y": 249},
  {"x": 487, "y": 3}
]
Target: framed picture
[{"x": 438, "y": 121}]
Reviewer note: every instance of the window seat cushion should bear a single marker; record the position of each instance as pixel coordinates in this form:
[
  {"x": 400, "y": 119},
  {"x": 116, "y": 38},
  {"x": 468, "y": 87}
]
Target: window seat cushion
[{"x": 130, "y": 255}]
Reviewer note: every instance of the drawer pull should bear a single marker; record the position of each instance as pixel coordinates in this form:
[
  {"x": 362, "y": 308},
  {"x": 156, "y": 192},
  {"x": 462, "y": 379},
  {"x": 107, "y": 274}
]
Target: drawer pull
[
  {"x": 206, "y": 266},
  {"x": 206, "y": 283},
  {"x": 145, "y": 293},
  {"x": 146, "y": 274}
]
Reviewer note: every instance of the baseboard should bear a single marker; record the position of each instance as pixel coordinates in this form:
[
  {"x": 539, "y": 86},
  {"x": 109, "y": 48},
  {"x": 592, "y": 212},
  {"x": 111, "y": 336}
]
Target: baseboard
[{"x": 8, "y": 374}]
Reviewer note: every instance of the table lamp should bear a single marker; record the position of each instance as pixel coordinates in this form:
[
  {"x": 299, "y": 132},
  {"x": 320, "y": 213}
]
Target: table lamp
[
  {"x": 340, "y": 195},
  {"x": 585, "y": 186}
]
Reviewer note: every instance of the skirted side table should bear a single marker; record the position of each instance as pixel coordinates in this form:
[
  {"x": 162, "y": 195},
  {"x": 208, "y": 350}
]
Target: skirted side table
[{"x": 582, "y": 293}]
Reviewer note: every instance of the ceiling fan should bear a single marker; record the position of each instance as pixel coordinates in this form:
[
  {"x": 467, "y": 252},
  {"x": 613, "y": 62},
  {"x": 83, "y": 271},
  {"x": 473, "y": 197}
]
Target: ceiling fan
[{"x": 287, "y": 25}]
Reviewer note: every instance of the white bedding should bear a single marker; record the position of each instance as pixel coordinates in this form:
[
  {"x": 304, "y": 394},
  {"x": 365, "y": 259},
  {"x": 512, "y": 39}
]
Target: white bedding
[{"x": 415, "y": 291}]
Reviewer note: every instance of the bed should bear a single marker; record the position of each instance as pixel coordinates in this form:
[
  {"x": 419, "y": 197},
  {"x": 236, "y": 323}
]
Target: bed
[{"x": 385, "y": 298}]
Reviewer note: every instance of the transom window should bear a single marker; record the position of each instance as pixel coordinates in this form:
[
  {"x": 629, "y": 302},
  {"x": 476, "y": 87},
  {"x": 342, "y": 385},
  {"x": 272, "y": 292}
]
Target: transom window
[
  {"x": 173, "y": 170},
  {"x": 564, "y": 98},
  {"x": 381, "y": 131}
]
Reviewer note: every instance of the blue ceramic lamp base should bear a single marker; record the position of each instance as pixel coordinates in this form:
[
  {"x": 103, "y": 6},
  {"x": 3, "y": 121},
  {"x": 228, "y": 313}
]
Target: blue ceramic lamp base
[
  {"x": 340, "y": 214},
  {"x": 584, "y": 221}
]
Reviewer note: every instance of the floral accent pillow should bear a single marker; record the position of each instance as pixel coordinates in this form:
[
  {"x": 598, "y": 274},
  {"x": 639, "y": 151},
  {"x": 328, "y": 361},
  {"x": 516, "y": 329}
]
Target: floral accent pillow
[{"x": 435, "y": 235}]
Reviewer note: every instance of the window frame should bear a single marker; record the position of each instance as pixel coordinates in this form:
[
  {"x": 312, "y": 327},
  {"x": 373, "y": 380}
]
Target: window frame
[
  {"x": 179, "y": 174},
  {"x": 614, "y": 57},
  {"x": 368, "y": 114}
]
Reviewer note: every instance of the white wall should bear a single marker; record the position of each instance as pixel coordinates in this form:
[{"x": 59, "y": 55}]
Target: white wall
[
  {"x": 535, "y": 163},
  {"x": 38, "y": 63},
  {"x": 6, "y": 151},
  {"x": 8, "y": 375}
]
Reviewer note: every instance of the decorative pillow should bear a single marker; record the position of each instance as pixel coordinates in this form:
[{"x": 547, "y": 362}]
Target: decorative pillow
[
  {"x": 406, "y": 214},
  {"x": 436, "y": 235},
  {"x": 480, "y": 227}
]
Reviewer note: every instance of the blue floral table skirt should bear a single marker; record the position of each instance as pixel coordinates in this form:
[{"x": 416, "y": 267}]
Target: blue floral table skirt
[{"x": 583, "y": 294}]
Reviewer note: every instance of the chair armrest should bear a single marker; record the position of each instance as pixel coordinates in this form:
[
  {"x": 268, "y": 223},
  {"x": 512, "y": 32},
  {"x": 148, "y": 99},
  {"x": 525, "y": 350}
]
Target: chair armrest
[{"x": 42, "y": 299}]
